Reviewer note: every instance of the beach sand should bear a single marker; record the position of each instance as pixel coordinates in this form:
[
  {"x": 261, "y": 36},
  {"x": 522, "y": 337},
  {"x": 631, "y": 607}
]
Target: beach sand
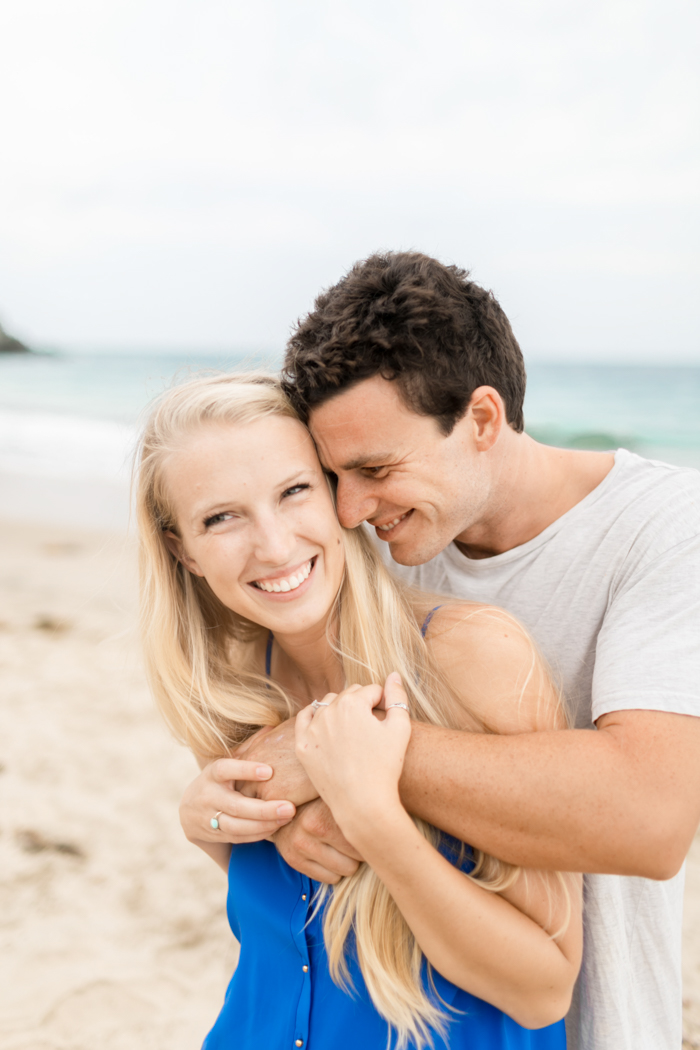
[
  {"x": 113, "y": 932},
  {"x": 112, "y": 927}
]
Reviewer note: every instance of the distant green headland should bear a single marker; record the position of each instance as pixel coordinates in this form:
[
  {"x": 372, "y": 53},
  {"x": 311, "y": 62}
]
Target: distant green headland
[{"x": 10, "y": 345}]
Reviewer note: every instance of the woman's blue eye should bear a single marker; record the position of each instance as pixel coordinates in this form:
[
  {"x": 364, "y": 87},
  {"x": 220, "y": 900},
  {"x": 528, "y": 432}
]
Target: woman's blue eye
[
  {"x": 216, "y": 518},
  {"x": 295, "y": 489}
]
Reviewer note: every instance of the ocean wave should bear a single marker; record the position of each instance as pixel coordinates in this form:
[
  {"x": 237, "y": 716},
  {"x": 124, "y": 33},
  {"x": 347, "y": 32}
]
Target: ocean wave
[{"x": 47, "y": 445}]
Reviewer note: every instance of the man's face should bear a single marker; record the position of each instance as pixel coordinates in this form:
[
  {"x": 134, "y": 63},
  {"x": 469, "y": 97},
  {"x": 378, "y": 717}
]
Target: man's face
[{"x": 398, "y": 471}]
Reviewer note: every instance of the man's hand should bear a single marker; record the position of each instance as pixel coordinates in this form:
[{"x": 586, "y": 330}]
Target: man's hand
[
  {"x": 241, "y": 819},
  {"x": 275, "y": 747},
  {"x": 314, "y": 845}
]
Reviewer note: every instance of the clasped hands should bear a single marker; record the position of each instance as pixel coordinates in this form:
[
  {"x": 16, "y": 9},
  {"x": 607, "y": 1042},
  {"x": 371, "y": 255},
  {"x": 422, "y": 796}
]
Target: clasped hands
[{"x": 308, "y": 782}]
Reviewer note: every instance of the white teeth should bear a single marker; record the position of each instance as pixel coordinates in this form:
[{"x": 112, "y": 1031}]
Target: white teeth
[
  {"x": 385, "y": 528},
  {"x": 289, "y": 584}
]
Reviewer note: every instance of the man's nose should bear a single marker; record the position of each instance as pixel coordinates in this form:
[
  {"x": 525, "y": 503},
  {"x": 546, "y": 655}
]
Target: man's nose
[{"x": 353, "y": 502}]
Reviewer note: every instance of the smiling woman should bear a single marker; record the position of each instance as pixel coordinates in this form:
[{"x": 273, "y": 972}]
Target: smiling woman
[
  {"x": 258, "y": 526},
  {"x": 255, "y": 601}
]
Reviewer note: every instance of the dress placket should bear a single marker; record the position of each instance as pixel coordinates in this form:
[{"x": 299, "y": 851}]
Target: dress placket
[{"x": 298, "y": 921}]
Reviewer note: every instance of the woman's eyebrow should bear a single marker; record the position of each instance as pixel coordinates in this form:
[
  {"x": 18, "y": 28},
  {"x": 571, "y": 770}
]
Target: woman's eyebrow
[{"x": 296, "y": 476}]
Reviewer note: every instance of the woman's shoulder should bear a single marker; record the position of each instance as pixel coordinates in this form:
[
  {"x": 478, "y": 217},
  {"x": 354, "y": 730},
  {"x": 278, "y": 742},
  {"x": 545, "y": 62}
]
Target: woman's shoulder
[
  {"x": 472, "y": 623},
  {"x": 494, "y": 667}
]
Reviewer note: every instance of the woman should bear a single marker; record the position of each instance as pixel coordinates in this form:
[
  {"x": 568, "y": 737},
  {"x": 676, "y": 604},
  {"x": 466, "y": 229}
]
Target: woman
[{"x": 255, "y": 602}]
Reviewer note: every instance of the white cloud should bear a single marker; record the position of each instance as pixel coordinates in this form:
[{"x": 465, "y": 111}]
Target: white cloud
[{"x": 226, "y": 148}]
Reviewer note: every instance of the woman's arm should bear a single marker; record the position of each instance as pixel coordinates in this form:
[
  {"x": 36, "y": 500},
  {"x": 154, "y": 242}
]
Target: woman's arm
[
  {"x": 497, "y": 946},
  {"x": 484, "y": 942}
]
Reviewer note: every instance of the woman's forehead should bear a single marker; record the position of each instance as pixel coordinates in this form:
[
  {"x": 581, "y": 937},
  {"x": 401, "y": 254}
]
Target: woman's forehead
[{"x": 273, "y": 441}]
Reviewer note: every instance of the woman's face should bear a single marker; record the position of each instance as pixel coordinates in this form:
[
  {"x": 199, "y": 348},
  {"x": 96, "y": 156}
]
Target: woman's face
[{"x": 257, "y": 521}]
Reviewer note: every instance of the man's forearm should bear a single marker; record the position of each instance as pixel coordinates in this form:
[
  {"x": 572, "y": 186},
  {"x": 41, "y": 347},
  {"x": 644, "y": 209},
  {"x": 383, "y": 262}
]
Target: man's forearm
[{"x": 613, "y": 801}]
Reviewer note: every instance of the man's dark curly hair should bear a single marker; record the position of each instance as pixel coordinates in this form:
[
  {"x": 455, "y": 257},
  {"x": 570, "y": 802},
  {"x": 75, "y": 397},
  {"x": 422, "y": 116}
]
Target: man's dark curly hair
[{"x": 409, "y": 318}]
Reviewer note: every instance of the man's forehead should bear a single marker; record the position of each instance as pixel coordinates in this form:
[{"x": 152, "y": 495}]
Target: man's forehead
[
  {"x": 340, "y": 448},
  {"x": 367, "y": 425}
]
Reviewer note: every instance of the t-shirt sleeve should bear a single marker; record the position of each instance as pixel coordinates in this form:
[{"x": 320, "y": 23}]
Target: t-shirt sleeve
[{"x": 648, "y": 648}]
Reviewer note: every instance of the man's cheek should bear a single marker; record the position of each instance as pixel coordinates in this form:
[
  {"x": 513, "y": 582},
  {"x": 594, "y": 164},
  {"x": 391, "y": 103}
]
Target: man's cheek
[{"x": 251, "y": 788}]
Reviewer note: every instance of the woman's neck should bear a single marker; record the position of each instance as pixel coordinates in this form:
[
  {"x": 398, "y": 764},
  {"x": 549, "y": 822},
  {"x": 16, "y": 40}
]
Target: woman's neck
[{"x": 305, "y": 665}]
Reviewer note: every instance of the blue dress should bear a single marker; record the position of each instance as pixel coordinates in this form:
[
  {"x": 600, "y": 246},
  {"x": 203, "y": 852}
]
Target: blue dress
[{"x": 281, "y": 996}]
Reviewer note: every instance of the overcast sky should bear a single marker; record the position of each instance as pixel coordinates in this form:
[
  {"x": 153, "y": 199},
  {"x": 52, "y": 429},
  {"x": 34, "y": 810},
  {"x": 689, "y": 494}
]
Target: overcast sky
[{"x": 189, "y": 174}]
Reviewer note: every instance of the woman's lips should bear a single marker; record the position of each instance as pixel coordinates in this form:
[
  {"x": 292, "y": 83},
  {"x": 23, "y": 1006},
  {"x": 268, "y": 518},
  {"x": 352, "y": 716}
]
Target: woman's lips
[{"x": 285, "y": 587}]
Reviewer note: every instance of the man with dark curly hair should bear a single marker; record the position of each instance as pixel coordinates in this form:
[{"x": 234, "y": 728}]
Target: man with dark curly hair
[{"x": 412, "y": 383}]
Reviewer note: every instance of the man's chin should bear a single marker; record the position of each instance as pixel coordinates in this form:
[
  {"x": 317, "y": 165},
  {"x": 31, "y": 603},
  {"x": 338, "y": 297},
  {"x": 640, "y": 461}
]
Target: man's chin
[{"x": 408, "y": 552}]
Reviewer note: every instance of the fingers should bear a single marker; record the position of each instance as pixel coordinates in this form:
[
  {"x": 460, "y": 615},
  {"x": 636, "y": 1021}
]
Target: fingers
[
  {"x": 333, "y": 865},
  {"x": 224, "y": 770},
  {"x": 237, "y": 830},
  {"x": 306, "y": 853},
  {"x": 368, "y": 694},
  {"x": 240, "y": 819},
  {"x": 394, "y": 693},
  {"x": 303, "y": 721}
]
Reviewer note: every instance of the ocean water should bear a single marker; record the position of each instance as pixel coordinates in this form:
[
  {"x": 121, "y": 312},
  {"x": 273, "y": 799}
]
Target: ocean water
[{"x": 69, "y": 424}]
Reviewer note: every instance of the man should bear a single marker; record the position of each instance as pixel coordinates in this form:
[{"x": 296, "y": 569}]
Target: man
[{"x": 412, "y": 384}]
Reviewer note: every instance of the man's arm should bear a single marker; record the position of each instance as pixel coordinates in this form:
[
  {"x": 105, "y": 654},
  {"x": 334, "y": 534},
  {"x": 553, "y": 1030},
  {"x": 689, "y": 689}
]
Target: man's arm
[{"x": 623, "y": 800}]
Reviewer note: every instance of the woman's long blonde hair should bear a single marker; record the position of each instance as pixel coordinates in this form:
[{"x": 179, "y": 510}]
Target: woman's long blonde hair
[{"x": 200, "y": 661}]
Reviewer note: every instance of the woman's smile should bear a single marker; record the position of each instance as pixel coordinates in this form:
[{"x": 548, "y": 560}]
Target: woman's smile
[{"x": 288, "y": 584}]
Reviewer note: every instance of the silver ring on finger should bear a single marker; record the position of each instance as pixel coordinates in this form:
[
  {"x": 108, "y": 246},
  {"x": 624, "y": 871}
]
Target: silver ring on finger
[
  {"x": 405, "y": 706},
  {"x": 214, "y": 822},
  {"x": 315, "y": 704}
]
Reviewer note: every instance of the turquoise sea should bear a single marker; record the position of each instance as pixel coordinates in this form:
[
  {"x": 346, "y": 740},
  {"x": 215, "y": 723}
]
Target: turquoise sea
[{"x": 73, "y": 418}]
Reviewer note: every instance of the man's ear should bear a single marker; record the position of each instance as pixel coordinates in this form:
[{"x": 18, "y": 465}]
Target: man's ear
[
  {"x": 489, "y": 416},
  {"x": 177, "y": 548}
]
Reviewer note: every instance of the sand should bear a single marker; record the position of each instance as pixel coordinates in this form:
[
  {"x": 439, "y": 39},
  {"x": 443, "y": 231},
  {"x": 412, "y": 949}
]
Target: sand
[{"x": 112, "y": 927}]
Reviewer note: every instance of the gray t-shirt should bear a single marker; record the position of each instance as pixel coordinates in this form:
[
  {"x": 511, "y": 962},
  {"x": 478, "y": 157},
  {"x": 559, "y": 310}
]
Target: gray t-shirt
[{"x": 611, "y": 593}]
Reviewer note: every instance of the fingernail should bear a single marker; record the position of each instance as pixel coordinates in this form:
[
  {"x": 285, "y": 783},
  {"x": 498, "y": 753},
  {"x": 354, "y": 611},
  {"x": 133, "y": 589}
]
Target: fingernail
[
  {"x": 285, "y": 811},
  {"x": 394, "y": 678},
  {"x": 264, "y": 772}
]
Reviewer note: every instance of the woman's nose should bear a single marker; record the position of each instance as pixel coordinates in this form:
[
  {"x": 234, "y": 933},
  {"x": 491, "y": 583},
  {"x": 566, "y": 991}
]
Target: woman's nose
[
  {"x": 354, "y": 504},
  {"x": 274, "y": 540}
]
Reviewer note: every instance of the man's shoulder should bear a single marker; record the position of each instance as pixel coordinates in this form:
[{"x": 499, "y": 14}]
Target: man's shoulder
[
  {"x": 642, "y": 509},
  {"x": 650, "y": 500}
]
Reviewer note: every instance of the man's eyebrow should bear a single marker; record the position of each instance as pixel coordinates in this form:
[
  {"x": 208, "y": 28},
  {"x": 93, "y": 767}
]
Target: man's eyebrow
[{"x": 376, "y": 459}]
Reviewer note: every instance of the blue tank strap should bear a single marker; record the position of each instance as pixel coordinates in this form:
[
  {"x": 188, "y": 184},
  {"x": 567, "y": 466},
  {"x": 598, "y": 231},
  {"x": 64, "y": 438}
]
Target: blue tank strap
[
  {"x": 426, "y": 621},
  {"x": 268, "y": 653}
]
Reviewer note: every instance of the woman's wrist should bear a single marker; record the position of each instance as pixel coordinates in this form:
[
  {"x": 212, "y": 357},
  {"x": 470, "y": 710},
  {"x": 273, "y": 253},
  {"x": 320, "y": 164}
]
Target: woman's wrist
[{"x": 376, "y": 822}]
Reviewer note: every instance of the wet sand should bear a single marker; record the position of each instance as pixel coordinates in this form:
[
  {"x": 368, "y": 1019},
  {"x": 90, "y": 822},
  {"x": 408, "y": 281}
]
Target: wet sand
[{"x": 112, "y": 927}]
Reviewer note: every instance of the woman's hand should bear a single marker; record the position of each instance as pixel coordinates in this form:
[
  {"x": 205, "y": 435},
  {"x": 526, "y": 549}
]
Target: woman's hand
[
  {"x": 241, "y": 819},
  {"x": 353, "y": 758}
]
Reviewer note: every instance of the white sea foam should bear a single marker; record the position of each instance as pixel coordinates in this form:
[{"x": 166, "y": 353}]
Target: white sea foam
[{"x": 53, "y": 446}]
